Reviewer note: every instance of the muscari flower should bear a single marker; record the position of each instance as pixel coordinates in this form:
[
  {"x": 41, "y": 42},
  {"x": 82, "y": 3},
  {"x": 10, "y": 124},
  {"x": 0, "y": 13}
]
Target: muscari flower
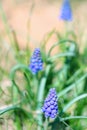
[
  {"x": 66, "y": 12},
  {"x": 36, "y": 63},
  {"x": 50, "y": 107}
]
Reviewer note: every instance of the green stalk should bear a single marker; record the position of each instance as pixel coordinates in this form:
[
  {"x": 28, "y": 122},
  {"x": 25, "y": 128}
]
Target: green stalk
[
  {"x": 46, "y": 124},
  {"x": 41, "y": 97},
  {"x": 17, "y": 122}
]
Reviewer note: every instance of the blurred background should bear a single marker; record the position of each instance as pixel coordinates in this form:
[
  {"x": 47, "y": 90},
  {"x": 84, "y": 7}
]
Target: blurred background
[
  {"x": 37, "y": 17},
  {"x": 25, "y": 23}
]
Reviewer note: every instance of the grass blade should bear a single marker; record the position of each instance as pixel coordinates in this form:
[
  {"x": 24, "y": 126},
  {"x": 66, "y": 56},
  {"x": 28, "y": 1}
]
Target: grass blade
[
  {"x": 73, "y": 101},
  {"x": 72, "y": 86},
  {"x": 73, "y": 117}
]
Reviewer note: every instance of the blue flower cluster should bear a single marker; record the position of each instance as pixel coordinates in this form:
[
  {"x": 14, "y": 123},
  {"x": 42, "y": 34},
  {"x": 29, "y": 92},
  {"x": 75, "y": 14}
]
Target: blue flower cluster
[
  {"x": 50, "y": 107},
  {"x": 36, "y": 63},
  {"x": 66, "y": 12}
]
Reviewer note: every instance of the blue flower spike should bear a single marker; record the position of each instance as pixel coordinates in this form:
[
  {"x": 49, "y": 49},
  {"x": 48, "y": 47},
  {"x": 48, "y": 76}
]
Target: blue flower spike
[
  {"x": 36, "y": 63},
  {"x": 50, "y": 107},
  {"x": 66, "y": 11}
]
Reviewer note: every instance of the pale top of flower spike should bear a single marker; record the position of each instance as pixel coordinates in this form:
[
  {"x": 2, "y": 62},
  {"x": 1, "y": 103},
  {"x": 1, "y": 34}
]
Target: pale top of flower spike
[{"x": 66, "y": 12}]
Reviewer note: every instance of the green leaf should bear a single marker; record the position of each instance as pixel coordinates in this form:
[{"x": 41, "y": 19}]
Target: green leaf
[
  {"x": 62, "y": 42},
  {"x": 73, "y": 101},
  {"x": 72, "y": 86},
  {"x": 18, "y": 67},
  {"x": 26, "y": 73},
  {"x": 53, "y": 58},
  {"x": 73, "y": 117},
  {"x": 15, "y": 108},
  {"x": 10, "y": 108}
]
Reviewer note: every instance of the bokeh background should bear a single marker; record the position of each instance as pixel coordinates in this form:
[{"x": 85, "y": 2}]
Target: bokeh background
[
  {"x": 30, "y": 21},
  {"x": 43, "y": 16}
]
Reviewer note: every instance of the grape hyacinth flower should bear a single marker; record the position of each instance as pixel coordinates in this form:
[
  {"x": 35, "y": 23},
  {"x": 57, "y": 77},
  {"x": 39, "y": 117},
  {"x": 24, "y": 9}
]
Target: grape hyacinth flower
[
  {"x": 66, "y": 12},
  {"x": 36, "y": 63},
  {"x": 50, "y": 107}
]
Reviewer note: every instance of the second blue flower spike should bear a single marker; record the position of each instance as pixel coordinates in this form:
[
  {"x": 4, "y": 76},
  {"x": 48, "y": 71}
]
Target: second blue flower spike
[
  {"x": 66, "y": 12},
  {"x": 36, "y": 63},
  {"x": 50, "y": 107}
]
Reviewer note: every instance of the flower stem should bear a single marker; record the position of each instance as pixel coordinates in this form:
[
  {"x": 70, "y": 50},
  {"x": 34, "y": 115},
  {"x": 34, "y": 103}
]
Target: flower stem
[
  {"x": 40, "y": 97},
  {"x": 46, "y": 124}
]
